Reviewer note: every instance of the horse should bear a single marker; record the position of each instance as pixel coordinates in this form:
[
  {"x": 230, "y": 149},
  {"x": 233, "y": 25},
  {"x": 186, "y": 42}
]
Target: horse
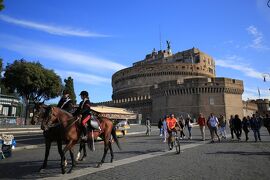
[
  {"x": 54, "y": 134},
  {"x": 53, "y": 116}
]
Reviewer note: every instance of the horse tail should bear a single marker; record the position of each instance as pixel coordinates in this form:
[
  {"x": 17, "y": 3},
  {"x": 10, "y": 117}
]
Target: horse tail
[{"x": 115, "y": 137}]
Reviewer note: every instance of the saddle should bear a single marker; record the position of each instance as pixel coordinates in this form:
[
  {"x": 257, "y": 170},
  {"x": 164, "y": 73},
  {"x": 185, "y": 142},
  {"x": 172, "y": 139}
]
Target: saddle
[{"x": 94, "y": 124}]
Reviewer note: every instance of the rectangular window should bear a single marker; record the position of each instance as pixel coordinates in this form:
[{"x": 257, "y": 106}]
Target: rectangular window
[{"x": 211, "y": 101}]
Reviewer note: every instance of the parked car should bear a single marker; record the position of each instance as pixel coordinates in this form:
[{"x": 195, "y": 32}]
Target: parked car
[{"x": 121, "y": 128}]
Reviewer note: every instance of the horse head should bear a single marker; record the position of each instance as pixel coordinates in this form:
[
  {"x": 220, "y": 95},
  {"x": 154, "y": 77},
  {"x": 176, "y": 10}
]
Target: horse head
[{"x": 44, "y": 115}]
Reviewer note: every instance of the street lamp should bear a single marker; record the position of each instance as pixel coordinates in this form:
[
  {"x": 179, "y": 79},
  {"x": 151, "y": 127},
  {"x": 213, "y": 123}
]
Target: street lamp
[{"x": 265, "y": 76}]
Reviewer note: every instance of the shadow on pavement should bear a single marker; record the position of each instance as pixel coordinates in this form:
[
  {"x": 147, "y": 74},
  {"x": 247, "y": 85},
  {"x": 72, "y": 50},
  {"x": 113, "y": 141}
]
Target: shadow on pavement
[{"x": 241, "y": 153}]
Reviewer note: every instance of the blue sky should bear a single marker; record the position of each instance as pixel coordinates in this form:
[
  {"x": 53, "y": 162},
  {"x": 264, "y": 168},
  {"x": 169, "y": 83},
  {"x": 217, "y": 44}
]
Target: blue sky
[{"x": 91, "y": 40}]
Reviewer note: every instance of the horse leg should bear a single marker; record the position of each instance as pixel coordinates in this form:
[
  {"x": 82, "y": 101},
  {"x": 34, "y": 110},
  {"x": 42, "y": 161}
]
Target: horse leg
[
  {"x": 82, "y": 147},
  {"x": 72, "y": 160},
  {"x": 106, "y": 147},
  {"x": 63, "y": 167},
  {"x": 60, "y": 151},
  {"x": 69, "y": 147},
  {"x": 79, "y": 153},
  {"x": 47, "y": 151},
  {"x": 111, "y": 150}
]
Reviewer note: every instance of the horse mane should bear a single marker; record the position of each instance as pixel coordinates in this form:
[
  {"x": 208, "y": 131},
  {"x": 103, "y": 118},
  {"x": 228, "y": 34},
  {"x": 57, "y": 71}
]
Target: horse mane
[
  {"x": 64, "y": 111},
  {"x": 71, "y": 120}
]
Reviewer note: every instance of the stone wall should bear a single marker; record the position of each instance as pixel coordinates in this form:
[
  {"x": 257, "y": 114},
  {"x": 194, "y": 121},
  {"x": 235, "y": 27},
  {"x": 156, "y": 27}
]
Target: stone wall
[{"x": 198, "y": 95}]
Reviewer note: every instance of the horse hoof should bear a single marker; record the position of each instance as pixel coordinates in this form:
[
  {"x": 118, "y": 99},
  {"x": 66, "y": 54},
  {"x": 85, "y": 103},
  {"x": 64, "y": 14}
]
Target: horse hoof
[
  {"x": 63, "y": 171},
  {"x": 69, "y": 172},
  {"x": 99, "y": 165},
  {"x": 111, "y": 160}
]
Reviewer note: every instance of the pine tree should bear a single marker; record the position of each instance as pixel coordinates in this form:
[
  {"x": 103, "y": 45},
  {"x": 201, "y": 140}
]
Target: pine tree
[{"x": 70, "y": 88}]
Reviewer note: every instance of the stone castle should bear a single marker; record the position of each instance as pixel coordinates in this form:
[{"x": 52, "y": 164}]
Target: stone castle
[{"x": 181, "y": 83}]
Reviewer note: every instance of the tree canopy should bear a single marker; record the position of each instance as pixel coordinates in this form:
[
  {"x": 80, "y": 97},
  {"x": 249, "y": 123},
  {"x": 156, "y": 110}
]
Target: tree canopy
[
  {"x": 2, "y": 87},
  {"x": 1, "y": 5},
  {"x": 32, "y": 81}
]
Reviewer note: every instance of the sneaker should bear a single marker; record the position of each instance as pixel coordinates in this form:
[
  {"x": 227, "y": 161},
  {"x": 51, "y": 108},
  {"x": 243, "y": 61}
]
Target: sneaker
[{"x": 164, "y": 141}]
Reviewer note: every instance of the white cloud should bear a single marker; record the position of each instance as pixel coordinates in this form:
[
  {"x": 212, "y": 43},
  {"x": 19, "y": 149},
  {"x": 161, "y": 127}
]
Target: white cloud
[
  {"x": 231, "y": 62},
  {"x": 84, "y": 78},
  {"x": 61, "y": 55},
  {"x": 257, "y": 42},
  {"x": 56, "y": 30}
]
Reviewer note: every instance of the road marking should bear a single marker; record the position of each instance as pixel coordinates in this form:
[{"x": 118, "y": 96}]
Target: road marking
[{"x": 91, "y": 170}]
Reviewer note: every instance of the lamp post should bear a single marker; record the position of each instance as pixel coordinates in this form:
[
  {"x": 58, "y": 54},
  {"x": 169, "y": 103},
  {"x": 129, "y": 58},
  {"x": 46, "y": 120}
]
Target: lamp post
[{"x": 265, "y": 76}]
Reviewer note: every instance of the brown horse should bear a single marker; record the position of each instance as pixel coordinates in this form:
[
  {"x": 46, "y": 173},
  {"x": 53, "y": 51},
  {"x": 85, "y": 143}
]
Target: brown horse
[
  {"x": 53, "y": 116},
  {"x": 52, "y": 134}
]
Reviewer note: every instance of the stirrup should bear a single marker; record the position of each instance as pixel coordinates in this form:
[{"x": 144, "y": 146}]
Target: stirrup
[{"x": 84, "y": 138}]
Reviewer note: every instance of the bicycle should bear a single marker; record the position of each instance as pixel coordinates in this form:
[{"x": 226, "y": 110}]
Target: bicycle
[{"x": 175, "y": 142}]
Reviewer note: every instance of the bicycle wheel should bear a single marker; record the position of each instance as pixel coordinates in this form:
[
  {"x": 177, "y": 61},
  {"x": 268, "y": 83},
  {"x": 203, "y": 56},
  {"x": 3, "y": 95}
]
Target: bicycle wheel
[{"x": 177, "y": 146}]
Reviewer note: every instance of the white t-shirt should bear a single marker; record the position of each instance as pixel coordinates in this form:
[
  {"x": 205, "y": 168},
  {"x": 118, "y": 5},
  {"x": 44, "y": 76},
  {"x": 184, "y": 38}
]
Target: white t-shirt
[{"x": 213, "y": 121}]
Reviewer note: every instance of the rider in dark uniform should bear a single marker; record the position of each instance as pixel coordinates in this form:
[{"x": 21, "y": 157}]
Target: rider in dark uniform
[
  {"x": 65, "y": 102},
  {"x": 85, "y": 112}
]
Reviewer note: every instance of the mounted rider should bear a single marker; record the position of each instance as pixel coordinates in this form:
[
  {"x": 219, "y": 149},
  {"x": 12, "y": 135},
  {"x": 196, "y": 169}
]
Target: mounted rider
[
  {"x": 66, "y": 102},
  {"x": 84, "y": 111}
]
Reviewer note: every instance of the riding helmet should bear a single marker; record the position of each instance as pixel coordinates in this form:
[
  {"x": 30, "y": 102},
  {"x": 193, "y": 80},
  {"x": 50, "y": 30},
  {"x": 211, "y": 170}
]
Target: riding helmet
[{"x": 84, "y": 93}]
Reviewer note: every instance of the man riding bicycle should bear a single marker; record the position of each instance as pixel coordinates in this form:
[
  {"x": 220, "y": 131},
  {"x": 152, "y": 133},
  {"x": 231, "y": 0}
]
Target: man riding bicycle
[{"x": 172, "y": 126}]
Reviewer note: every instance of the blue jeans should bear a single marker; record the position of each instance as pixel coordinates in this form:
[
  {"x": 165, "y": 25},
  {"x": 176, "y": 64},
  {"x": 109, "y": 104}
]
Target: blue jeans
[
  {"x": 256, "y": 134},
  {"x": 189, "y": 131}
]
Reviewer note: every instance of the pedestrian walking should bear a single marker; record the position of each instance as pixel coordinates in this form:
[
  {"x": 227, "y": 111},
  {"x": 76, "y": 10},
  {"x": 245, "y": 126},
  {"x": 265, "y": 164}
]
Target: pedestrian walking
[
  {"x": 237, "y": 124},
  {"x": 266, "y": 123},
  {"x": 189, "y": 125},
  {"x": 182, "y": 125},
  {"x": 255, "y": 124},
  {"x": 246, "y": 126},
  {"x": 148, "y": 127},
  {"x": 202, "y": 122},
  {"x": 222, "y": 126},
  {"x": 231, "y": 126},
  {"x": 164, "y": 129},
  {"x": 160, "y": 126},
  {"x": 213, "y": 125}
]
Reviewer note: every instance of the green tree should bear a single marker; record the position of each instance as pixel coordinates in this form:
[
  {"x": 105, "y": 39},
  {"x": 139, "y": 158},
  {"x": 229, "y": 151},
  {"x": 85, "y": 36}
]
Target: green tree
[
  {"x": 2, "y": 87},
  {"x": 69, "y": 86},
  {"x": 32, "y": 82},
  {"x": 1, "y": 5}
]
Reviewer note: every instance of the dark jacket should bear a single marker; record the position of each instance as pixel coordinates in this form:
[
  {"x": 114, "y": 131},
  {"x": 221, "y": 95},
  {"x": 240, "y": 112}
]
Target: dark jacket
[
  {"x": 83, "y": 109},
  {"x": 237, "y": 124},
  {"x": 255, "y": 123},
  {"x": 66, "y": 104},
  {"x": 245, "y": 123}
]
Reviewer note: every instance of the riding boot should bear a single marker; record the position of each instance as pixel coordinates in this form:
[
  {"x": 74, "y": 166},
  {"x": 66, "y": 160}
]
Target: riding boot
[{"x": 84, "y": 130}]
